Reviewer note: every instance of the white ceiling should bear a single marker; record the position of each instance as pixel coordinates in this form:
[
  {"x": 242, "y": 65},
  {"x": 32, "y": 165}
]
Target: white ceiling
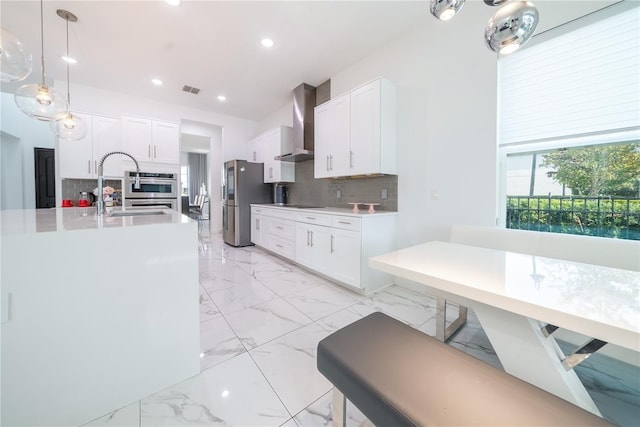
[
  {"x": 215, "y": 45},
  {"x": 212, "y": 45}
]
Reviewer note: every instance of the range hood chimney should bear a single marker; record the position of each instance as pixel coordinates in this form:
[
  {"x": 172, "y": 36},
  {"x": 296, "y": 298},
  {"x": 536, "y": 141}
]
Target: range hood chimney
[{"x": 304, "y": 99}]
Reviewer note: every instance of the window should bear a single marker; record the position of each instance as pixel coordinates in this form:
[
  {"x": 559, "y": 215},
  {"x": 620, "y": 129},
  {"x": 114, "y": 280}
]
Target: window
[{"x": 569, "y": 126}]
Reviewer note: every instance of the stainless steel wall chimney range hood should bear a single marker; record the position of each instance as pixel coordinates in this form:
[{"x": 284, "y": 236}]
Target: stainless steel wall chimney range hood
[{"x": 304, "y": 99}]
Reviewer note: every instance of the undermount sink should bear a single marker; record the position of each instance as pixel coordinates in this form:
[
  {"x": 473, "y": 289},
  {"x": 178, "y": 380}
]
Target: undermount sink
[{"x": 137, "y": 213}]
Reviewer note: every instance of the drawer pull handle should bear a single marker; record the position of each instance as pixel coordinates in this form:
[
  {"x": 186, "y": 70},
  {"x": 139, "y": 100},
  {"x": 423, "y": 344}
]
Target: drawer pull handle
[
  {"x": 280, "y": 246},
  {"x": 279, "y": 228},
  {"x": 311, "y": 218},
  {"x": 344, "y": 222}
]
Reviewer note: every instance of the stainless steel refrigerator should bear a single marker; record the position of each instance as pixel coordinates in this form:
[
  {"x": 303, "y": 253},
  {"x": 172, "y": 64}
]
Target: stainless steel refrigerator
[{"x": 242, "y": 185}]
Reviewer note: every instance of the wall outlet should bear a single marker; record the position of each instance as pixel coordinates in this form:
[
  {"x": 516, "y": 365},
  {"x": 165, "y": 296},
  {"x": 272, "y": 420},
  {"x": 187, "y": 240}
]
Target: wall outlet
[
  {"x": 384, "y": 194},
  {"x": 338, "y": 194}
]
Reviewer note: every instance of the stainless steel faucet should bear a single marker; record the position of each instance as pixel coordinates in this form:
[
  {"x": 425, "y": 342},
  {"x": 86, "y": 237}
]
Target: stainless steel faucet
[{"x": 100, "y": 203}]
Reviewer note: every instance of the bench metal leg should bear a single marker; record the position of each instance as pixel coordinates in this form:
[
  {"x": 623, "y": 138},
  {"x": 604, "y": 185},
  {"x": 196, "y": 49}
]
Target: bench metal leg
[
  {"x": 339, "y": 414},
  {"x": 444, "y": 332}
]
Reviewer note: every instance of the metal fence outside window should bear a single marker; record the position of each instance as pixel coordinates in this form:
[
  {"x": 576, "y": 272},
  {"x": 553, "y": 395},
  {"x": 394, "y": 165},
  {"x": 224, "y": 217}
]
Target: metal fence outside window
[{"x": 616, "y": 217}]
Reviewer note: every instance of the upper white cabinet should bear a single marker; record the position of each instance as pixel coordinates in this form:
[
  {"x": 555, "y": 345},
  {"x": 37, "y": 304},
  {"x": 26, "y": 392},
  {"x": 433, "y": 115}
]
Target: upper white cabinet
[
  {"x": 151, "y": 140},
  {"x": 268, "y": 145},
  {"x": 355, "y": 134},
  {"x": 79, "y": 159},
  {"x": 332, "y": 138}
]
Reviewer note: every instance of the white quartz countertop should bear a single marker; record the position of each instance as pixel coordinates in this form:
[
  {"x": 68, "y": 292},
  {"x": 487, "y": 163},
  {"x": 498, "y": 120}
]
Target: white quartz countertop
[
  {"x": 597, "y": 301},
  {"x": 29, "y": 221},
  {"x": 328, "y": 210}
]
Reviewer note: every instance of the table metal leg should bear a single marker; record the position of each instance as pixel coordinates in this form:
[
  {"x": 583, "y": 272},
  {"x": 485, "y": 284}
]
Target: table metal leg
[
  {"x": 444, "y": 332},
  {"x": 526, "y": 353}
]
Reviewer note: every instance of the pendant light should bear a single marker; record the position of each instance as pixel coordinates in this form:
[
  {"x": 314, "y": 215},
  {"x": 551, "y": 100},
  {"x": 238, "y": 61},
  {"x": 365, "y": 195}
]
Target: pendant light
[
  {"x": 71, "y": 127},
  {"x": 445, "y": 9},
  {"x": 15, "y": 63},
  {"x": 40, "y": 101},
  {"x": 511, "y": 27}
]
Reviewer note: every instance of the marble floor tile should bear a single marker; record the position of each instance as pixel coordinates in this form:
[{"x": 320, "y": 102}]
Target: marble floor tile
[
  {"x": 285, "y": 283},
  {"x": 406, "y": 305},
  {"x": 342, "y": 318},
  {"x": 289, "y": 364},
  {"x": 290, "y": 423},
  {"x": 259, "y": 324},
  {"x": 129, "y": 416},
  {"x": 320, "y": 301},
  {"x": 241, "y": 296},
  {"x": 218, "y": 342},
  {"x": 228, "y": 276},
  {"x": 231, "y": 393},
  {"x": 320, "y": 414},
  {"x": 208, "y": 309}
]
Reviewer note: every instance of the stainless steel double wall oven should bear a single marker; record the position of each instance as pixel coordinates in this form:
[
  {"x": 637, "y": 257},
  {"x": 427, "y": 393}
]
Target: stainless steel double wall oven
[{"x": 156, "y": 189}]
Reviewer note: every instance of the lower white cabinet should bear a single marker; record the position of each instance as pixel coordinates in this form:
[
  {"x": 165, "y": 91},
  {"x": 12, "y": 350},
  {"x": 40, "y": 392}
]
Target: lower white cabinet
[
  {"x": 259, "y": 228},
  {"x": 335, "y": 245}
]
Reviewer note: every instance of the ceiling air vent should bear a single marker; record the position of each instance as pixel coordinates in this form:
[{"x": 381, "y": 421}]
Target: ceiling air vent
[{"x": 193, "y": 90}]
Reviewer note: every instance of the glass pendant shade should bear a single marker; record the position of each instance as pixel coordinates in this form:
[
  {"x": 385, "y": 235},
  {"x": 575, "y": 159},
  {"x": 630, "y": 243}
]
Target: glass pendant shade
[
  {"x": 15, "y": 63},
  {"x": 71, "y": 127},
  {"x": 494, "y": 2},
  {"x": 41, "y": 102},
  {"x": 445, "y": 9},
  {"x": 511, "y": 27}
]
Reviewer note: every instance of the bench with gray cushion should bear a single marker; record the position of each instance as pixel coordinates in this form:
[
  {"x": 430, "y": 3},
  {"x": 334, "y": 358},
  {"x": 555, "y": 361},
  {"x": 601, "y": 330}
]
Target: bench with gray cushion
[{"x": 398, "y": 376}]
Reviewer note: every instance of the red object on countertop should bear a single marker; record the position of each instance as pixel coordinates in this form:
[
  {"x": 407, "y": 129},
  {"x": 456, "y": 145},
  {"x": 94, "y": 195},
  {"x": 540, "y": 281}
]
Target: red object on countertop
[
  {"x": 66, "y": 203},
  {"x": 84, "y": 203}
]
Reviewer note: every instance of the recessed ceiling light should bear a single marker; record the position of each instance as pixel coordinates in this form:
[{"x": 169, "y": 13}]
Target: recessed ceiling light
[
  {"x": 157, "y": 82},
  {"x": 70, "y": 60},
  {"x": 173, "y": 2},
  {"x": 266, "y": 42},
  {"x": 222, "y": 98}
]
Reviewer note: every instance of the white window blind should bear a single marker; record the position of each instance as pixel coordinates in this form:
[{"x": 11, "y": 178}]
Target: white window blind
[{"x": 578, "y": 85}]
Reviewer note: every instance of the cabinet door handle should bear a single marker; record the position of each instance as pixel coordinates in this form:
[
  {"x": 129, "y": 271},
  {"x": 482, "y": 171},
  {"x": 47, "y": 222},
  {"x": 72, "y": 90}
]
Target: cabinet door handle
[
  {"x": 327, "y": 163},
  {"x": 155, "y": 153},
  {"x": 311, "y": 238},
  {"x": 331, "y": 160},
  {"x": 89, "y": 167},
  {"x": 95, "y": 167},
  {"x": 149, "y": 150},
  {"x": 351, "y": 159},
  {"x": 257, "y": 223},
  {"x": 332, "y": 243},
  {"x": 308, "y": 237}
]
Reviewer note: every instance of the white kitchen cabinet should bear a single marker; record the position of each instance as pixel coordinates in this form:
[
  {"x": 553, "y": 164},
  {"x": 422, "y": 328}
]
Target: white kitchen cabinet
[
  {"x": 259, "y": 227},
  {"x": 332, "y": 242},
  {"x": 256, "y": 154},
  {"x": 151, "y": 141},
  {"x": 332, "y": 136},
  {"x": 357, "y": 132},
  {"x": 346, "y": 248},
  {"x": 79, "y": 159},
  {"x": 313, "y": 246},
  {"x": 275, "y": 143}
]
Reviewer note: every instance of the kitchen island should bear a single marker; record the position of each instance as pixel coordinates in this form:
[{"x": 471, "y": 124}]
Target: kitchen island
[{"x": 96, "y": 312}]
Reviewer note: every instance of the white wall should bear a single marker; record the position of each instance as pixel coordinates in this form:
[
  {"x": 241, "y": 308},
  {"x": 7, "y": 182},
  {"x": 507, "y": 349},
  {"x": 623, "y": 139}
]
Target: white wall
[
  {"x": 30, "y": 133},
  {"x": 283, "y": 116}
]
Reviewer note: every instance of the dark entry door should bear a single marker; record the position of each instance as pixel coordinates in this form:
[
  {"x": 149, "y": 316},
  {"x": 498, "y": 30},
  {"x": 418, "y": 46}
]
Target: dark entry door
[{"x": 45, "y": 167}]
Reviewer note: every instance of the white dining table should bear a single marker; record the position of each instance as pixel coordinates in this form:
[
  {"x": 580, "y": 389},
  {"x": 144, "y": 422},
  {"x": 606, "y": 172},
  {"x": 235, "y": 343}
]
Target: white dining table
[{"x": 515, "y": 295}]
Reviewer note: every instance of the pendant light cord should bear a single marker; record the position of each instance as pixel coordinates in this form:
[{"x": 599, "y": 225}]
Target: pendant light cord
[
  {"x": 42, "y": 39},
  {"x": 67, "y": 61}
]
